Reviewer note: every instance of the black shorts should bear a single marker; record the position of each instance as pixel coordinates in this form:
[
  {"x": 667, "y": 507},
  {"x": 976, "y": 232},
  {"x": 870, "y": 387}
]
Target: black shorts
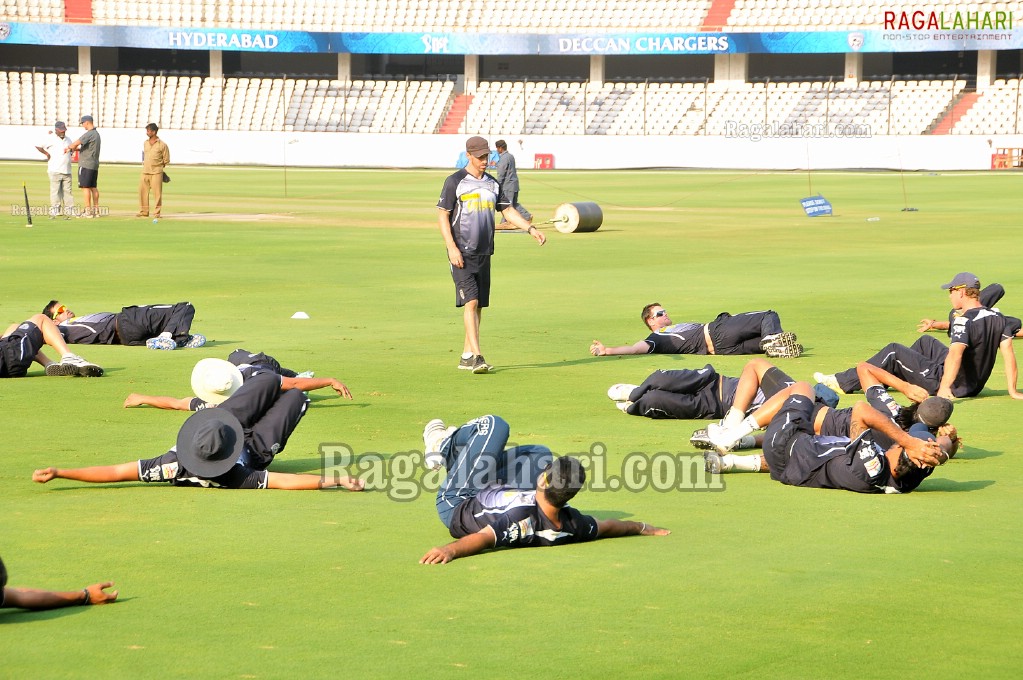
[
  {"x": 18, "y": 350},
  {"x": 472, "y": 285},
  {"x": 794, "y": 418},
  {"x": 88, "y": 178}
]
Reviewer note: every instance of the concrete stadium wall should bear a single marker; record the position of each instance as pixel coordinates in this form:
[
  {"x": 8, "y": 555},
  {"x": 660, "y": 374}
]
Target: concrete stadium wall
[{"x": 320, "y": 149}]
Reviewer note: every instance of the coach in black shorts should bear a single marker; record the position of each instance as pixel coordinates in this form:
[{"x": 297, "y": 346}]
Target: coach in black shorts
[
  {"x": 88, "y": 147},
  {"x": 467, "y": 203},
  {"x": 225, "y": 447}
]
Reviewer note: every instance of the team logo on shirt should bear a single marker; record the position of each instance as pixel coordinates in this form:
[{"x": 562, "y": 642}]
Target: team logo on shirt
[
  {"x": 873, "y": 466},
  {"x": 519, "y": 530}
]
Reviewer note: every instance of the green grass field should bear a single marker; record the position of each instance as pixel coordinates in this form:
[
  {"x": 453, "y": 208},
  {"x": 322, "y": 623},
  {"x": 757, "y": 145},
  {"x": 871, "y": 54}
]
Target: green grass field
[{"x": 756, "y": 580}]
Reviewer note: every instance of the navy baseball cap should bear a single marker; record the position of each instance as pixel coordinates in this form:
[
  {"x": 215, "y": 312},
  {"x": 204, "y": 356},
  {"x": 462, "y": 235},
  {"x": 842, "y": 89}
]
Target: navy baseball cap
[
  {"x": 934, "y": 411},
  {"x": 85, "y": 119},
  {"x": 962, "y": 279},
  {"x": 59, "y": 125}
]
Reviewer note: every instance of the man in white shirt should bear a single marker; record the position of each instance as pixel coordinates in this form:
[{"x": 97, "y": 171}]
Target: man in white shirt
[{"x": 58, "y": 166}]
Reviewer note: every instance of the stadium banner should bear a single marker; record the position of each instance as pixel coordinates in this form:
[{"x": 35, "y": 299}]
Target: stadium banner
[{"x": 236, "y": 40}]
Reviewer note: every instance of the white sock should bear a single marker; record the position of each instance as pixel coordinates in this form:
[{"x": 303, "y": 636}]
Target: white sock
[
  {"x": 166, "y": 334},
  {"x": 751, "y": 463},
  {"x": 467, "y": 355},
  {"x": 733, "y": 417},
  {"x": 740, "y": 430}
]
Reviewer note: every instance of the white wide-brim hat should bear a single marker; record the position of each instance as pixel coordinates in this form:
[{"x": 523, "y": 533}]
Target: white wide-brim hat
[{"x": 214, "y": 380}]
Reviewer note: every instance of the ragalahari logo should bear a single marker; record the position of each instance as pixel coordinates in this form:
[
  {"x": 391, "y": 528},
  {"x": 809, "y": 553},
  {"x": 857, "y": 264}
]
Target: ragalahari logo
[
  {"x": 930, "y": 20},
  {"x": 855, "y": 41}
]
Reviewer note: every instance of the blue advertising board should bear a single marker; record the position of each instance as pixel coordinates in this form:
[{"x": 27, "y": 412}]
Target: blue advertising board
[{"x": 639, "y": 43}]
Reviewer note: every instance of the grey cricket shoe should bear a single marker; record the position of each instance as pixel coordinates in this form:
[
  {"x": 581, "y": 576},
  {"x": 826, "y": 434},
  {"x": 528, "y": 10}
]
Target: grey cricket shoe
[
  {"x": 480, "y": 365},
  {"x": 465, "y": 364},
  {"x": 701, "y": 440},
  {"x": 713, "y": 463}
]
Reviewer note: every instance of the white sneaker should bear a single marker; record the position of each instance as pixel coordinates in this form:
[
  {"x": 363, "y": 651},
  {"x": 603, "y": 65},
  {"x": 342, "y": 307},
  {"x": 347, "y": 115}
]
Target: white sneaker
[
  {"x": 72, "y": 364},
  {"x": 781, "y": 345},
  {"x": 623, "y": 406},
  {"x": 723, "y": 438},
  {"x": 829, "y": 381},
  {"x": 195, "y": 340},
  {"x": 434, "y": 435},
  {"x": 620, "y": 391}
]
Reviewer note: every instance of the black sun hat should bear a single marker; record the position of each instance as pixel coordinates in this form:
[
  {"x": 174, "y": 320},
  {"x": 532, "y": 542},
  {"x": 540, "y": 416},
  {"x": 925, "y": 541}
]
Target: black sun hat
[{"x": 210, "y": 442}]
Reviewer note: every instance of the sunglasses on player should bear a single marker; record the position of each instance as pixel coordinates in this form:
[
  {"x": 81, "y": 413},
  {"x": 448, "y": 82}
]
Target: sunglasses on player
[
  {"x": 659, "y": 313},
  {"x": 59, "y": 310}
]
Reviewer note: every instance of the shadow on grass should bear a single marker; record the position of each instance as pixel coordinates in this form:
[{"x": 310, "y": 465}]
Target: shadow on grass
[
  {"x": 950, "y": 485},
  {"x": 607, "y": 514},
  {"x": 29, "y": 616},
  {"x": 321, "y": 401},
  {"x": 973, "y": 453}
]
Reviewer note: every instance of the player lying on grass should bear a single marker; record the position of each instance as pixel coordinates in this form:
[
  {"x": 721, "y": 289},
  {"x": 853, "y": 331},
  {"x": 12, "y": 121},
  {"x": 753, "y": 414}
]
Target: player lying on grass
[
  {"x": 877, "y": 456},
  {"x": 960, "y": 370},
  {"x": 746, "y": 333},
  {"x": 155, "y": 326},
  {"x": 21, "y": 344},
  {"x": 230, "y": 447},
  {"x": 989, "y": 297},
  {"x": 688, "y": 394},
  {"x": 932, "y": 413},
  {"x": 32, "y": 598},
  {"x": 494, "y": 497},
  {"x": 214, "y": 380}
]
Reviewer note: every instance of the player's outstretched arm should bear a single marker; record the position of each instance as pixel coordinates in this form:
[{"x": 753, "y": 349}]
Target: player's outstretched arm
[
  {"x": 598, "y": 349},
  {"x": 463, "y": 547},
  {"x": 170, "y": 403},
  {"x": 931, "y": 325},
  {"x": 300, "y": 482},
  {"x": 613, "y": 528},
  {"x": 309, "y": 384},
  {"x": 99, "y": 474},
  {"x": 31, "y": 598}
]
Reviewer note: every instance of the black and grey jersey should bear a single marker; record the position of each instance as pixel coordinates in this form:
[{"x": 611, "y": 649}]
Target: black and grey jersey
[
  {"x": 679, "y": 338},
  {"x": 99, "y": 328},
  {"x": 517, "y": 521}
]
